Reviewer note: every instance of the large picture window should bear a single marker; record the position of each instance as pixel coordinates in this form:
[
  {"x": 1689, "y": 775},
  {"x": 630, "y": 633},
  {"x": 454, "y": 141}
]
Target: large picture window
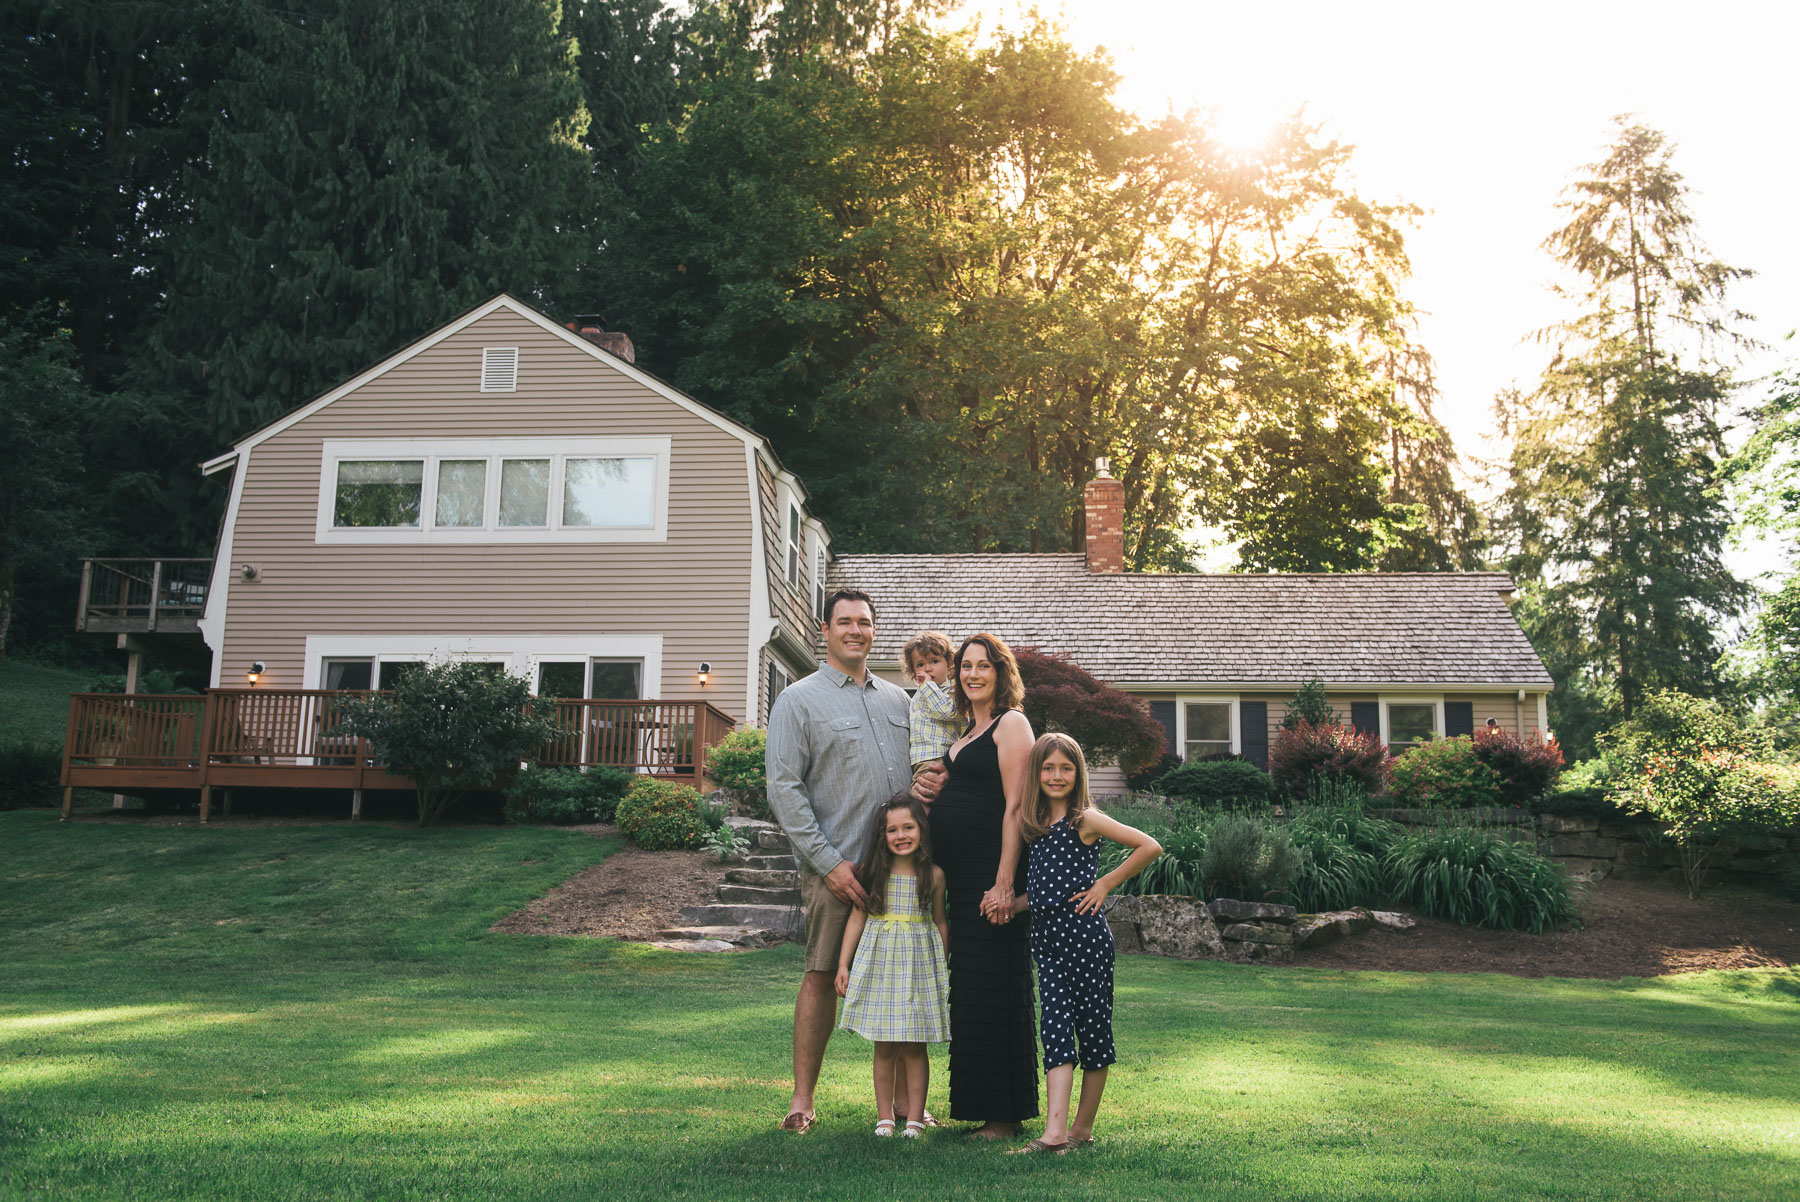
[{"x": 501, "y": 490}]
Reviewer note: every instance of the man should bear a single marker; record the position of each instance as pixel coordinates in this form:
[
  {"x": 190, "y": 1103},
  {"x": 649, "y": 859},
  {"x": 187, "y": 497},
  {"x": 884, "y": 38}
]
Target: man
[{"x": 837, "y": 749}]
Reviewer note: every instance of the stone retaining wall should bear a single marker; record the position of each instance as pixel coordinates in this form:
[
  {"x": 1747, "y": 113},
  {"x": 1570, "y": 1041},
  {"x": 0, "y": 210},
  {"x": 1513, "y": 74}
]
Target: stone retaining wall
[{"x": 1593, "y": 848}]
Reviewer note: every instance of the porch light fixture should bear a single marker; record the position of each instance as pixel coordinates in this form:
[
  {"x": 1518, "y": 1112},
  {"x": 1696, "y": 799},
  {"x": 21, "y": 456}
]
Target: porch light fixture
[
  {"x": 256, "y": 670},
  {"x": 705, "y": 671}
]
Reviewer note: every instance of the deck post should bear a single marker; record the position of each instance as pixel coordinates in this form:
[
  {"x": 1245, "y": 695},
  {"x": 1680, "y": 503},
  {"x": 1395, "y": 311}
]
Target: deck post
[
  {"x": 87, "y": 592},
  {"x": 68, "y": 802},
  {"x": 205, "y": 803},
  {"x": 134, "y": 669},
  {"x": 155, "y": 591},
  {"x": 225, "y": 812},
  {"x": 355, "y": 804}
]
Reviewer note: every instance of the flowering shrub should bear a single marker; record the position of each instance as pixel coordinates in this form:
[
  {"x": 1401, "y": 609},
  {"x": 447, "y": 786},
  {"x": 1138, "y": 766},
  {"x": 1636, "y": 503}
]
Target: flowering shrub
[
  {"x": 1312, "y": 751},
  {"x": 1527, "y": 768},
  {"x": 1443, "y": 772}
]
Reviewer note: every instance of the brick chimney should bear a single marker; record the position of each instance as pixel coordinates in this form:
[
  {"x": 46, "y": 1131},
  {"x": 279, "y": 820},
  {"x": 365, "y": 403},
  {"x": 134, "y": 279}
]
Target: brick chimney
[
  {"x": 1105, "y": 513},
  {"x": 611, "y": 341}
]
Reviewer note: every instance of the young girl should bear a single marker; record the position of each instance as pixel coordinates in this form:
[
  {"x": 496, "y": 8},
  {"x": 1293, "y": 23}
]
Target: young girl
[
  {"x": 891, "y": 971},
  {"x": 1070, "y": 940}
]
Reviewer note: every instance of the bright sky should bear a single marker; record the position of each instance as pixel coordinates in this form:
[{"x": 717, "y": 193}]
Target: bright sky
[{"x": 1480, "y": 114}]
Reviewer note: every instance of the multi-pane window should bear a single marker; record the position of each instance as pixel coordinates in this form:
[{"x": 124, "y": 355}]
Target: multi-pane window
[
  {"x": 1208, "y": 728},
  {"x": 602, "y": 679},
  {"x": 793, "y": 546},
  {"x": 1409, "y": 724},
  {"x": 379, "y": 492},
  {"x": 819, "y": 583},
  {"x": 554, "y": 491}
]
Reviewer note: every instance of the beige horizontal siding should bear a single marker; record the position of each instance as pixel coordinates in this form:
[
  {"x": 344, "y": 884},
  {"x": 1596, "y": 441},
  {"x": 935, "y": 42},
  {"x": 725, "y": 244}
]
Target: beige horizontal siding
[{"x": 693, "y": 589}]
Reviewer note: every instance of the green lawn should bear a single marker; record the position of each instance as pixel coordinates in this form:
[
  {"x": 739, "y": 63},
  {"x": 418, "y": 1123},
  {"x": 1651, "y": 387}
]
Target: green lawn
[
  {"x": 34, "y": 700},
  {"x": 311, "y": 1012}
]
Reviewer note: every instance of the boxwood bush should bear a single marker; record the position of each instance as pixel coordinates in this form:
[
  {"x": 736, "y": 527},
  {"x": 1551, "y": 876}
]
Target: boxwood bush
[
  {"x": 1230, "y": 783},
  {"x": 663, "y": 815},
  {"x": 566, "y": 796},
  {"x": 1446, "y": 773}
]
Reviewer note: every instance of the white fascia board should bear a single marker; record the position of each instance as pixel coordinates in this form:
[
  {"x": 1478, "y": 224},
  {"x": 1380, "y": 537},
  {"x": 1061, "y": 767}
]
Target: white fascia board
[
  {"x": 1435, "y": 689},
  {"x": 762, "y": 617},
  {"x": 218, "y": 463},
  {"x": 212, "y": 622}
]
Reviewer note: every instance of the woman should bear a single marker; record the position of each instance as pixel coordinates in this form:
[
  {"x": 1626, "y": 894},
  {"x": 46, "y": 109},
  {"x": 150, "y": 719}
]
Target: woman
[{"x": 979, "y": 842}]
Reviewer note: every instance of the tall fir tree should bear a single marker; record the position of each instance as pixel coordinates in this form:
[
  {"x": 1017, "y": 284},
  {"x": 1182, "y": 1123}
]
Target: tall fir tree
[
  {"x": 371, "y": 170},
  {"x": 1612, "y": 517}
]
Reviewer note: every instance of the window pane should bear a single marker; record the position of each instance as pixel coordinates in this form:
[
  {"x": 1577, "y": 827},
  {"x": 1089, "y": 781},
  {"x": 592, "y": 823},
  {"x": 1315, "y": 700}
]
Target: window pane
[
  {"x": 1408, "y": 724},
  {"x": 616, "y": 679},
  {"x": 608, "y": 492},
  {"x": 793, "y": 550},
  {"x": 349, "y": 673},
  {"x": 462, "y": 492},
  {"x": 394, "y": 671},
  {"x": 1210, "y": 722},
  {"x": 525, "y": 492},
  {"x": 562, "y": 680},
  {"x": 379, "y": 492}
]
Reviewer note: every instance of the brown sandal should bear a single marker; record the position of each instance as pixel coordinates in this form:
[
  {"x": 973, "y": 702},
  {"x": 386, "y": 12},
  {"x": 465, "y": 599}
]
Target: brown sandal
[
  {"x": 1038, "y": 1145},
  {"x": 799, "y": 1122}
]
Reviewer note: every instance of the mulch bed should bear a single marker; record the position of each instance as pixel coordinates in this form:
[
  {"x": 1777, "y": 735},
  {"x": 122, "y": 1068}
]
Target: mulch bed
[
  {"x": 1633, "y": 929},
  {"x": 632, "y": 894}
]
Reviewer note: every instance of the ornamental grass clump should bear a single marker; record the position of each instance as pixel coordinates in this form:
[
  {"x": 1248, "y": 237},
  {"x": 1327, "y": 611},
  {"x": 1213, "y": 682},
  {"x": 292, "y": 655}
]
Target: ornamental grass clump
[
  {"x": 1341, "y": 854},
  {"x": 1183, "y": 834},
  {"x": 663, "y": 816},
  {"x": 1443, "y": 773},
  {"x": 1313, "y": 751},
  {"x": 1477, "y": 878}
]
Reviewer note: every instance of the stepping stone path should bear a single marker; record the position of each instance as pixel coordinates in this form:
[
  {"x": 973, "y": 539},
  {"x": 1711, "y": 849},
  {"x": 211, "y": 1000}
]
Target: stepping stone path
[{"x": 758, "y": 905}]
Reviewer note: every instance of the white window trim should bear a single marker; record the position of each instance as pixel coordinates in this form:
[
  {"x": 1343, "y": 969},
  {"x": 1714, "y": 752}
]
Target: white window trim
[
  {"x": 1181, "y": 703},
  {"x": 793, "y": 553},
  {"x": 494, "y": 450},
  {"x": 787, "y": 682},
  {"x": 520, "y": 654},
  {"x": 1435, "y": 700},
  {"x": 818, "y": 581}
]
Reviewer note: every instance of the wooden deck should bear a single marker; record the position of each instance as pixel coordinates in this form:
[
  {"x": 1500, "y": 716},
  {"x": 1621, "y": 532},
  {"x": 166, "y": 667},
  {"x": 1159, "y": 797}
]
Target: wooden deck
[
  {"x": 292, "y": 739},
  {"x": 143, "y": 596}
]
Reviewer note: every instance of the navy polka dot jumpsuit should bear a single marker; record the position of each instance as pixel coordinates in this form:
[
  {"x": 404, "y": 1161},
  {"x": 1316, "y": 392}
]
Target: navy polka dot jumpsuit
[{"x": 1074, "y": 952}]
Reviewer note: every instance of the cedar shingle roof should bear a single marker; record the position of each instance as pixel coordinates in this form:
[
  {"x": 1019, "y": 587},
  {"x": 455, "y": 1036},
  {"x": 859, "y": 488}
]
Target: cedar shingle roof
[{"x": 1407, "y": 628}]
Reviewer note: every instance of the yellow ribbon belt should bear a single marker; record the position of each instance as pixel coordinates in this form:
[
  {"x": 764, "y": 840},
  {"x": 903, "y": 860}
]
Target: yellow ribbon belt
[{"x": 898, "y": 918}]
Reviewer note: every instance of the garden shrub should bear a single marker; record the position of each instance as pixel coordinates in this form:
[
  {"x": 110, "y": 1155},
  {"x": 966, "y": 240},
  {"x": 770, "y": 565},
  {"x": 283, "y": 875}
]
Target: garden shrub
[
  {"x": 1248, "y": 858},
  {"x": 1228, "y": 782},
  {"x": 1596, "y": 773},
  {"x": 663, "y": 815},
  {"x": 1686, "y": 763},
  {"x": 738, "y": 763},
  {"x": 1477, "y": 878},
  {"x": 1143, "y": 780},
  {"x": 1111, "y": 725},
  {"x": 1577, "y": 803},
  {"x": 565, "y": 796},
  {"x": 30, "y": 774},
  {"x": 1446, "y": 773},
  {"x": 1527, "y": 768},
  {"x": 1342, "y": 851},
  {"x": 1309, "y": 705},
  {"x": 1312, "y": 751},
  {"x": 1182, "y": 832}
]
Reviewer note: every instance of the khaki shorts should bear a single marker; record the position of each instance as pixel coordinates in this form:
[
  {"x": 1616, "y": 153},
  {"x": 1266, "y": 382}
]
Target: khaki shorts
[{"x": 826, "y": 917}]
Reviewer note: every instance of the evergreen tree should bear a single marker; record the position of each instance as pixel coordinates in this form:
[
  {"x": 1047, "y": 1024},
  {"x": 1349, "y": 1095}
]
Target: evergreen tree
[
  {"x": 1612, "y": 515},
  {"x": 371, "y": 170}
]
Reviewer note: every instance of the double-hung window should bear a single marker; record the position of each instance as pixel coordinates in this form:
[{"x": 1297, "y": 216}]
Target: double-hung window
[
  {"x": 793, "y": 545},
  {"x": 1407, "y": 722},
  {"x": 819, "y": 582},
  {"x": 494, "y": 491},
  {"x": 1207, "y": 726}
]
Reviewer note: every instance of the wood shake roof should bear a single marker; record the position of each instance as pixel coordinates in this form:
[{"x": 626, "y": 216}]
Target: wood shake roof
[{"x": 1410, "y": 628}]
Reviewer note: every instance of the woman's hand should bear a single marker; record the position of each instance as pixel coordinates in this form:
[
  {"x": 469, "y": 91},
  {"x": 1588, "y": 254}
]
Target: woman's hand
[
  {"x": 1089, "y": 900},
  {"x": 997, "y": 905},
  {"x": 842, "y": 984}
]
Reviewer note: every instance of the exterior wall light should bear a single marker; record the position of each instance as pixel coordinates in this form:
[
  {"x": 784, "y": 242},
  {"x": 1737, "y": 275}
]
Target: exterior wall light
[
  {"x": 256, "y": 670},
  {"x": 705, "y": 671}
]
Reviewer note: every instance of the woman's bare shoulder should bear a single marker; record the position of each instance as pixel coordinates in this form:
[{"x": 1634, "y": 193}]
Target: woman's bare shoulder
[{"x": 1013, "y": 722}]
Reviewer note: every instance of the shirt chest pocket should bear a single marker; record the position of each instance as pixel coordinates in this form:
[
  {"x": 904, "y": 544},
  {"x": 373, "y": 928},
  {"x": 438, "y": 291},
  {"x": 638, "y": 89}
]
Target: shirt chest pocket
[{"x": 840, "y": 732}]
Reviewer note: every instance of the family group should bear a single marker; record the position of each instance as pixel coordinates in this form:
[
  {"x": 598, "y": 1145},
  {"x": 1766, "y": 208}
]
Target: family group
[{"x": 943, "y": 848}]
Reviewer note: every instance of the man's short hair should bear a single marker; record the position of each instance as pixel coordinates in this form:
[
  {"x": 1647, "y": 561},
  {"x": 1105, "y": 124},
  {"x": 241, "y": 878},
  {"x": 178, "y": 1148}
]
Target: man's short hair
[
  {"x": 923, "y": 645},
  {"x": 847, "y": 594}
]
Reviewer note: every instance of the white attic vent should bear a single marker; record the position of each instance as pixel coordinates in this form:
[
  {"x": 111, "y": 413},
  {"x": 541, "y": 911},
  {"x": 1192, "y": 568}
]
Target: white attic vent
[{"x": 500, "y": 369}]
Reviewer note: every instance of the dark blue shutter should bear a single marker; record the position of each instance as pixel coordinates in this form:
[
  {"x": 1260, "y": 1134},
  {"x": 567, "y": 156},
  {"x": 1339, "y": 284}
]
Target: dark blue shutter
[
  {"x": 1365, "y": 717},
  {"x": 1164, "y": 713},
  {"x": 1459, "y": 718},
  {"x": 1253, "y": 732}
]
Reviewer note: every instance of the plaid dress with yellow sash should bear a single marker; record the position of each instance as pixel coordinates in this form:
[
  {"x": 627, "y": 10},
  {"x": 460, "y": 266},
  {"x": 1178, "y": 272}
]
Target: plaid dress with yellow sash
[{"x": 898, "y": 983}]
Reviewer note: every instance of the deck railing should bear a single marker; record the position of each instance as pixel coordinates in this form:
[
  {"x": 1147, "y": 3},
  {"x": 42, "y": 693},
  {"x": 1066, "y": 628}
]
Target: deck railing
[
  {"x": 138, "y": 596},
  {"x": 294, "y": 738}
]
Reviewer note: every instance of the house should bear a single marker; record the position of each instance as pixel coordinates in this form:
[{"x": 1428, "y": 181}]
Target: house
[
  {"x": 515, "y": 490},
  {"x": 507, "y": 489},
  {"x": 1217, "y": 657}
]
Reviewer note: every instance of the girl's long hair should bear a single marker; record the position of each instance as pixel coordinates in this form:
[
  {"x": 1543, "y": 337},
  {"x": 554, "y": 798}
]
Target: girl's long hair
[
  {"x": 1009, "y": 690},
  {"x": 1035, "y": 811},
  {"x": 878, "y": 861}
]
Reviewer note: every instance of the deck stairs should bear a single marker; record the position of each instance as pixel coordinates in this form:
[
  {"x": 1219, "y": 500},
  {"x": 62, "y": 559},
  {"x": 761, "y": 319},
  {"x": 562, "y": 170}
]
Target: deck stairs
[{"x": 757, "y": 904}]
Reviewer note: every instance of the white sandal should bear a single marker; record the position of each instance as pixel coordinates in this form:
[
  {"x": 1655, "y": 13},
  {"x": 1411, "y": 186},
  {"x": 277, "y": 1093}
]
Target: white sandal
[
  {"x": 884, "y": 1128},
  {"x": 914, "y": 1129}
]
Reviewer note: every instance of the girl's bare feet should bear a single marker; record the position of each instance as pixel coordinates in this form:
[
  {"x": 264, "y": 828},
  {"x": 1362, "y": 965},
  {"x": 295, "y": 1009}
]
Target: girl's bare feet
[{"x": 998, "y": 1130}]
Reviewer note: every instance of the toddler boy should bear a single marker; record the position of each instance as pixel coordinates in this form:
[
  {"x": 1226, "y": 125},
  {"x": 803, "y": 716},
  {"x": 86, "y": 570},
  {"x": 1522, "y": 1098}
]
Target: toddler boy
[{"x": 933, "y": 722}]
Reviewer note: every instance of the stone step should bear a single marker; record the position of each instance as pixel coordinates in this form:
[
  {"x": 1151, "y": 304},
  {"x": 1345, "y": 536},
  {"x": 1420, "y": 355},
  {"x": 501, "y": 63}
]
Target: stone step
[
  {"x": 786, "y": 919},
  {"x": 766, "y": 877},
  {"x": 735, "y": 936},
  {"x": 771, "y": 839},
  {"x": 695, "y": 945},
  {"x": 772, "y": 863},
  {"x": 756, "y": 895}
]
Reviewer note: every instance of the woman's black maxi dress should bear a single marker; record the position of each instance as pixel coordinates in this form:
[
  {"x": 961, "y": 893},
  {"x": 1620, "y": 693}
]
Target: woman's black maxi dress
[{"x": 993, "y": 1037}]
